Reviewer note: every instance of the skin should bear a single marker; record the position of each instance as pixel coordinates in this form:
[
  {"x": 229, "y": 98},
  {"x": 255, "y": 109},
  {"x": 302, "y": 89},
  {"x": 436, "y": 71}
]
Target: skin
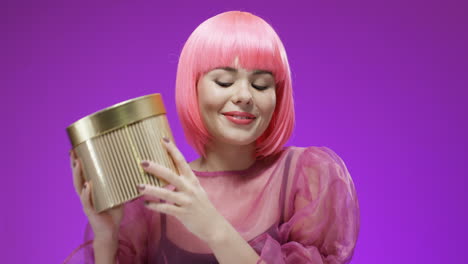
[
  {"x": 105, "y": 225},
  {"x": 232, "y": 148}
]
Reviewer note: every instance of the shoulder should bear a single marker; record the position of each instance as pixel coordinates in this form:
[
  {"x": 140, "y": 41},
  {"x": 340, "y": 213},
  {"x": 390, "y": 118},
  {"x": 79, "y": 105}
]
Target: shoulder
[
  {"x": 314, "y": 154},
  {"x": 312, "y": 161},
  {"x": 317, "y": 164}
]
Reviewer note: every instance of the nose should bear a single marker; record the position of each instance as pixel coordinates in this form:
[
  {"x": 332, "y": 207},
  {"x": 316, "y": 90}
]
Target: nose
[{"x": 242, "y": 95}]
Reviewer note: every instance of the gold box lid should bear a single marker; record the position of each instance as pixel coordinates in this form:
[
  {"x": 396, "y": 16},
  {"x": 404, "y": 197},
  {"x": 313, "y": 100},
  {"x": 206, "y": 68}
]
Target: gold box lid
[{"x": 114, "y": 117}]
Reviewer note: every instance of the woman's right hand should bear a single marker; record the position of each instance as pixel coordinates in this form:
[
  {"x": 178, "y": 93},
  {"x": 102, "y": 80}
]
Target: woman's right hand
[{"x": 105, "y": 224}]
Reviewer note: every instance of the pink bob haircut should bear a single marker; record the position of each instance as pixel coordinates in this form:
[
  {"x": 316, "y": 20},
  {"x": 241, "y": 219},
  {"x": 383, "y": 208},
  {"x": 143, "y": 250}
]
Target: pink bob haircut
[{"x": 216, "y": 43}]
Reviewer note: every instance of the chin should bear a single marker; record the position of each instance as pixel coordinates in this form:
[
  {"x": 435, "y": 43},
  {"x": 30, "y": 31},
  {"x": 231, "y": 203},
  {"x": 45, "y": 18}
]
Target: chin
[{"x": 236, "y": 140}]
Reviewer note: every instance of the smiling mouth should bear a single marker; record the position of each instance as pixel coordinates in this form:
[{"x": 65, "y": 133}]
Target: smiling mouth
[{"x": 240, "y": 117}]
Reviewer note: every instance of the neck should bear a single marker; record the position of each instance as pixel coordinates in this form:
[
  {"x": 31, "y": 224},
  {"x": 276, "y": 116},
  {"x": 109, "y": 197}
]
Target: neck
[{"x": 225, "y": 157}]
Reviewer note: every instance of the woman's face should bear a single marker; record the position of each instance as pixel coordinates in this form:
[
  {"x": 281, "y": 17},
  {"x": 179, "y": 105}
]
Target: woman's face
[{"x": 236, "y": 105}]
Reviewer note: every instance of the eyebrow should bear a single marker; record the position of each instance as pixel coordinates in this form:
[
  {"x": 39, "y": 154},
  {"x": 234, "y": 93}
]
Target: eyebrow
[{"x": 256, "y": 72}]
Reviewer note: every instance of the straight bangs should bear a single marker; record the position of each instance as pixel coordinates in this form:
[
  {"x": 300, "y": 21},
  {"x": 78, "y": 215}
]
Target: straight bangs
[
  {"x": 223, "y": 38},
  {"x": 217, "y": 42}
]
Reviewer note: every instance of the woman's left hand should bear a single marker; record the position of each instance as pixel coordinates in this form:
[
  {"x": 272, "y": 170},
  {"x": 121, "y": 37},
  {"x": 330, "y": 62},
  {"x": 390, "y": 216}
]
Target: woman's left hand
[{"x": 189, "y": 202}]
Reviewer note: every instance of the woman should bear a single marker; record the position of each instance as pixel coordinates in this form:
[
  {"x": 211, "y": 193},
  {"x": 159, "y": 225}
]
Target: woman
[{"x": 247, "y": 199}]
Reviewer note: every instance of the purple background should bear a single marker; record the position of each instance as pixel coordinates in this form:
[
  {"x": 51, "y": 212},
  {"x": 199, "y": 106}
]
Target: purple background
[{"x": 382, "y": 84}]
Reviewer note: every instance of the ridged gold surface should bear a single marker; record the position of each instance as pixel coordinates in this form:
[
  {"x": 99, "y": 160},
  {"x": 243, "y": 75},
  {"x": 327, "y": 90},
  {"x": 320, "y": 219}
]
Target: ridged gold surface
[
  {"x": 112, "y": 160},
  {"x": 114, "y": 117}
]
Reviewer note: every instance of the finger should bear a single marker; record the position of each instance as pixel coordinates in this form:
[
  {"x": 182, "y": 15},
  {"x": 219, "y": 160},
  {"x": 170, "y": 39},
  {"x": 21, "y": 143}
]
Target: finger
[
  {"x": 72, "y": 158},
  {"x": 164, "y": 194},
  {"x": 164, "y": 208},
  {"x": 78, "y": 179},
  {"x": 86, "y": 198},
  {"x": 164, "y": 173},
  {"x": 169, "y": 187},
  {"x": 179, "y": 160}
]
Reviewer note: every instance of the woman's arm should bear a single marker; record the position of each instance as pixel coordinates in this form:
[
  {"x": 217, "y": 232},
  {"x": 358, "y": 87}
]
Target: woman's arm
[
  {"x": 128, "y": 244},
  {"x": 105, "y": 250},
  {"x": 190, "y": 204},
  {"x": 229, "y": 246},
  {"x": 322, "y": 218}
]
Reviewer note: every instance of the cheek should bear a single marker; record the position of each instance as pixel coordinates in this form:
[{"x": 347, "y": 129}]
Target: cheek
[
  {"x": 209, "y": 99},
  {"x": 210, "y": 102},
  {"x": 267, "y": 103}
]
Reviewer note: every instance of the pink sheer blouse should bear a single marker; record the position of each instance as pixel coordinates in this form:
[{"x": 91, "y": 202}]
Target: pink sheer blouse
[{"x": 299, "y": 206}]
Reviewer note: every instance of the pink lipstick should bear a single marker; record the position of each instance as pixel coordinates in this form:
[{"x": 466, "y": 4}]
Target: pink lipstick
[{"x": 240, "y": 118}]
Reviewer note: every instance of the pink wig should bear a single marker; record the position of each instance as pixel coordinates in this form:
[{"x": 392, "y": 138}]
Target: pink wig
[{"x": 216, "y": 43}]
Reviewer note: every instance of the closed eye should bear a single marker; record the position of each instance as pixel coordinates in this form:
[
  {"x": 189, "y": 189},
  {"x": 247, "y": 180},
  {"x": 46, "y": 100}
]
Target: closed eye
[
  {"x": 258, "y": 87},
  {"x": 223, "y": 84},
  {"x": 261, "y": 88}
]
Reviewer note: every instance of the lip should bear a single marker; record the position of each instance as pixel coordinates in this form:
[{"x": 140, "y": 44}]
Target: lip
[
  {"x": 231, "y": 116},
  {"x": 237, "y": 113}
]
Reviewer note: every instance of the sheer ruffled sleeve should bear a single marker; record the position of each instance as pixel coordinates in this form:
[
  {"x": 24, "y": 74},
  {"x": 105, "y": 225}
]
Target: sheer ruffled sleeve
[
  {"x": 133, "y": 236},
  {"x": 321, "y": 222}
]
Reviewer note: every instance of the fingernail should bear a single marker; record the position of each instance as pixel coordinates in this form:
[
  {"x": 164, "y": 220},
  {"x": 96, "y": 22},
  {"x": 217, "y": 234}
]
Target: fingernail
[
  {"x": 166, "y": 139},
  {"x": 169, "y": 187},
  {"x": 141, "y": 187},
  {"x": 145, "y": 163}
]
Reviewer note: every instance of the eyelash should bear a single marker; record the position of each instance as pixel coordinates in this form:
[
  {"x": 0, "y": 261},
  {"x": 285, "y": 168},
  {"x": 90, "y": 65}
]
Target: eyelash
[{"x": 225, "y": 85}]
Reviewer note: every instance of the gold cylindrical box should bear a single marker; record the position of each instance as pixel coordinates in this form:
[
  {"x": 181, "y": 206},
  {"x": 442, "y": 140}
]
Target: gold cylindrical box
[{"x": 112, "y": 142}]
